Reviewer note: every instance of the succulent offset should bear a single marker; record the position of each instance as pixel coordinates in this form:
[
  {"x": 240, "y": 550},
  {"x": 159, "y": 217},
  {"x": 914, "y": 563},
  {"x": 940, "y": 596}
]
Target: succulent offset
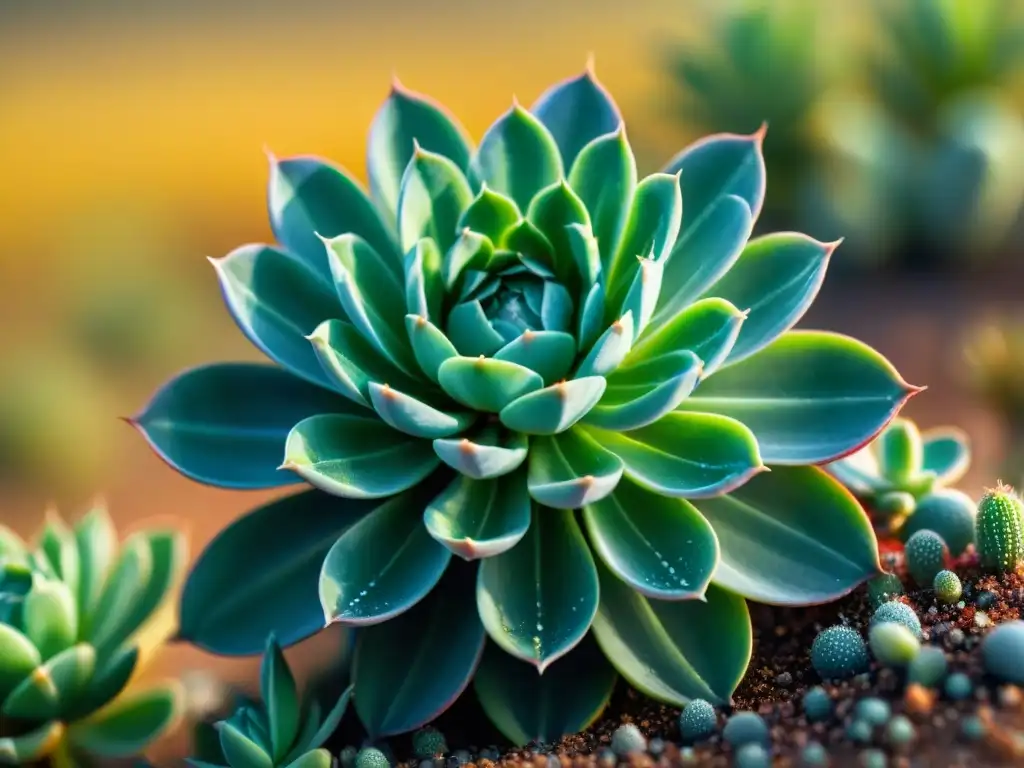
[
  {"x": 76, "y": 614},
  {"x": 495, "y": 338}
]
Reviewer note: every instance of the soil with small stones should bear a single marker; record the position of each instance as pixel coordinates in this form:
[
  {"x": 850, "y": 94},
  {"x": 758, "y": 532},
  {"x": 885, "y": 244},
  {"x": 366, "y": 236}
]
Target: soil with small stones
[{"x": 780, "y": 672}]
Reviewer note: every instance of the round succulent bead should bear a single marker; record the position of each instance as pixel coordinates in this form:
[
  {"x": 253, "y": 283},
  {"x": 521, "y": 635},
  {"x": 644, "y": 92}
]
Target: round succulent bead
[
  {"x": 999, "y": 530},
  {"x": 655, "y": 747},
  {"x": 697, "y": 721},
  {"x": 817, "y": 704},
  {"x": 347, "y": 757},
  {"x": 926, "y": 555},
  {"x": 859, "y": 731},
  {"x": 948, "y": 512},
  {"x": 627, "y": 740},
  {"x": 814, "y": 755},
  {"x": 428, "y": 742},
  {"x": 752, "y": 756},
  {"x": 745, "y": 728},
  {"x": 873, "y": 758},
  {"x": 371, "y": 757},
  {"x": 985, "y": 599},
  {"x": 1002, "y": 652},
  {"x": 973, "y": 728},
  {"x": 606, "y": 758},
  {"x": 893, "y": 644},
  {"x": 928, "y": 667},
  {"x": 839, "y": 652},
  {"x": 947, "y": 587},
  {"x": 959, "y": 686},
  {"x": 883, "y": 588},
  {"x": 900, "y": 731},
  {"x": 894, "y": 505},
  {"x": 874, "y": 711},
  {"x": 899, "y": 612}
]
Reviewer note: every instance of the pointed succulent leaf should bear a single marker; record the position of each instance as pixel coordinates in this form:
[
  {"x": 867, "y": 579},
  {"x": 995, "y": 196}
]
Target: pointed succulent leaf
[
  {"x": 242, "y": 749},
  {"x": 424, "y": 285},
  {"x": 96, "y": 541},
  {"x": 35, "y": 698},
  {"x": 281, "y": 697},
  {"x": 687, "y": 455},
  {"x": 480, "y": 518},
  {"x": 429, "y": 345},
  {"x": 329, "y": 724},
  {"x": 309, "y": 195},
  {"x": 792, "y": 536},
  {"x": 674, "y": 651},
  {"x": 547, "y": 353},
  {"x": 485, "y": 384},
  {"x": 809, "y": 397},
  {"x": 58, "y": 544},
  {"x": 552, "y": 212},
  {"x": 775, "y": 280},
  {"x": 491, "y": 214},
  {"x": 47, "y": 691},
  {"x": 434, "y": 194},
  {"x": 277, "y": 300},
  {"x": 409, "y": 670},
  {"x": 537, "y": 600},
  {"x": 591, "y": 319},
  {"x": 609, "y": 350},
  {"x": 317, "y": 758},
  {"x": 517, "y": 157},
  {"x": 50, "y": 616},
  {"x": 859, "y": 472},
  {"x": 12, "y": 548},
  {"x": 415, "y": 417},
  {"x": 471, "y": 332},
  {"x": 660, "y": 546},
  {"x": 642, "y": 294},
  {"x": 604, "y": 176},
  {"x": 708, "y": 328},
  {"x": 576, "y": 111},
  {"x": 109, "y": 679},
  {"x": 641, "y": 394},
  {"x": 470, "y": 251},
  {"x": 553, "y": 409},
  {"x": 570, "y": 470},
  {"x": 533, "y": 248},
  {"x": 404, "y": 120},
  {"x": 258, "y": 575},
  {"x": 20, "y": 657},
  {"x": 531, "y": 708},
  {"x": 122, "y": 594},
  {"x": 586, "y": 253},
  {"x": 489, "y": 454},
  {"x": 355, "y": 457},
  {"x": 33, "y": 746},
  {"x": 382, "y": 565},
  {"x": 900, "y": 450},
  {"x": 947, "y": 453},
  {"x": 201, "y": 425}
]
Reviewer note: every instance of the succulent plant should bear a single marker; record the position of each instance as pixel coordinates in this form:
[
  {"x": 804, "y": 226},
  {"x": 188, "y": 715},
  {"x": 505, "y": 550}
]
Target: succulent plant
[
  {"x": 926, "y": 554},
  {"x": 1002, "y": 652},
  {"x": 746, "y": 728},
  {"x": 817, "y": 704},
  {"x": 899, "y": 612},
  {"x": 839, "y": 652},
  {"x": 78, "y": 616},
  {"x": 884, "y": 588},
  {"x": 628, "y": 740},
  {"x": 504, "y": 335},
  {"x": 428, "y": 743},
  {"x": 283, "y": 730},
  {"x": 697, "y": 721},
  {"x": 948, "y": 512},
  {"x": 999, "y": 529},
  {"x": 371, "y": 757},
  {"x": 929, "y": 667},
  {"x": 947, "y": 587},
  {"x": 893, "y": 644}
]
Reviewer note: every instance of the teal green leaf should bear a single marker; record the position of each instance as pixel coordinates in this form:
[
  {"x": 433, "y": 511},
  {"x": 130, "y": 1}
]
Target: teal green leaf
[
  {"x": 201, "y": 424},
  {"x": 258, "y": 576},
  {"x": 20, "y": 658},
  {"x": 424, "y": 285},
  {"x": 110, "y": 678},
  {"x": 12, "y": 548},
  {"x": 330, "y": 722},
  {"x": 641, "y": 394},
  {"x": 604, "y": 176},
  {"x": 642, "y": 295},
  {"x": 708, "y": 328},
  {"x": 122, "y": 593},
  {"x": 674, "y": 651},
  {"x": 470, "y": 251},
  {"x": 415, "y": 417},
  {"x": 382, "y": 565},
  {"x": 486, "y": 385},
  {"x": 32, "y": 746},
  {"x": 42, "y": 694},
  {"x": 660, "y": 546},
  {"x": 480, "y": 518},
  {"x": 570, "y": 470},
  {"x": 491, "y": 453},
  {"x": 586, "y": 253},
  {"x": 517, "y": 157},
  {"x": 309, "y": 195},
  {"x": 58, "y": 545},
  {"x": 409, "y": 670},
  {"x": 130, "y": 725},
  {"x": 809, "y": 397},
  {"x": 471, "y": 332},
  {"x": 491, "y": 214},
  {"x": 50, "y": 616},
  {"x": 547, "y": 353},
  {"x": 576, "y": 111},
  {"x": 556, "y": 307},
  {"x": 434, "y": 194},
  {"x": 687, "y": 455},
  {"x": 277, "y": 300},
  {"x": 527, "y": 707},
  {"x": 281, "y": 698},
  {"x": 537, "y": 600},
  {"x": 35, "y": 698},
  {"x": 859, "y": 472},
  {"x": 591, "y": 318},
  {"x": 553, "y": 409},
  {"x": 242, "y": 749},
  {"x": 552, "y": 212},
  {"x": 356, "y": 457},
  {"x": 96, "y": 540},
  {"x": 900, "y": 450},
  {"x": 792, "y": 536},
  {"x": 530, "y": 243},
  {"x": 609, "y": 350},
  {"x": 317, "y": 758},
  {"x": 947, "y": 453},
  {"x": 429, "y": 345},
  {"x": 371, "y": 292},
  {"x": 405, "y": 119},
  {"x": 775, "y": 280}
]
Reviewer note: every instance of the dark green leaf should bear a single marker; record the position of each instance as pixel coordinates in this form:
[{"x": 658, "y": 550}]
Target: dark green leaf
[
  {"x": 570, "y": 470},
  {"x": 480, "y": 518},
  {"x": 281, "y": 699},
  {"x": 128, "y": 726}
]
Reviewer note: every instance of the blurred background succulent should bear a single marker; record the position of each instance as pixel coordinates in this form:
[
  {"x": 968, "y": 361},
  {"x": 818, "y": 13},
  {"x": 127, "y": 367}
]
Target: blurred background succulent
[
  {"x": 78, "y": 617},
  {"x": 504, "y": 335}
]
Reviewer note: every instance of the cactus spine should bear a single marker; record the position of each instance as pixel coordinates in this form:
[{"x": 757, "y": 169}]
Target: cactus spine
[{"x": 999, "y": 529}]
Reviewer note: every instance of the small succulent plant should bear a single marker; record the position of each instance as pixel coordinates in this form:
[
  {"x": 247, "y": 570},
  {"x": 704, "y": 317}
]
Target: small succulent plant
[
  {"x": 1000, "y": 529},
  {"x": 899, "y": 612},
  {"x": 283, "y": 730},
  {"x": 884, "y": 588},
  {"x": 697, "y": 721},
  {"x": 1003, "y": 652},
  {"x": 839, "y": 652},
  {"x": 429, "y": 743},
  {"x": 929, "y": 667},
  {"x": 893, "y": 644},
  {"x": 817, "y": 704},
  {"x": 498, "y": 336},
  {"x": 76, "y": 616},
  {"x": 926, "y": 554},
  {"x": 947, "y": 587}
]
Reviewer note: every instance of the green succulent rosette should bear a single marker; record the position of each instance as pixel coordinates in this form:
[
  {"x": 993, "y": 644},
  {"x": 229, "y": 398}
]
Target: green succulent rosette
[
  {"x": 79, "y": 616},
  {"x": 536, "y": 397}
]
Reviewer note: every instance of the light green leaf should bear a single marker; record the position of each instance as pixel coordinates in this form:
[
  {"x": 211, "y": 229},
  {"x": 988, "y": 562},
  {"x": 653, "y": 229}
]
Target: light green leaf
[
  {"x": 471, "y": 332},
  {"x": 58, "y": 545},
  {"x": 548, "y": 353},
  {"x": 947, "y": 453},
  {"x": 109, "y": 624},
  {"x": 556, "y": 307},
  {"x": 50, "y": 616},
  {"x": 490, "y": 453},
  {"x": 708, "y": 328},
  {"x": 591, "y": 317},
  {"x": 424, "y": 285},
  {"x": 130, "y": 725},
  {"x": 110, "y": 678},
  {"x": 553, "y": 409},
  {"x": 900, "y": 450},
  {"x": 570, "y": 470},
  {"x": 20, "y": 657},
  {"x": 281, "y": 699},
  {"x": 642, "y": 295},
  {"x": 433, "y": 197},
  {"x": 576, "y": 111},
  {"x": 585, "y": 252},
  {"x": 480, "y": 518},
  {"x": 552, "y": 212},
  {"x": 429, "y": 345},
  {"x": 641, "y": 394},
  {"x": 609, "y": 350},
  {"x": 415, "y": 417},
  {"x": 242, "y": 749},
  {"x": 317, "y": 758},
  {"x": 470, "y": 251},
  {"x": 47, "y": 691},
  {"x": 484, "y": 384},
  {"x": 491, "y": 214},
  {"x": 96, "y": 540}
]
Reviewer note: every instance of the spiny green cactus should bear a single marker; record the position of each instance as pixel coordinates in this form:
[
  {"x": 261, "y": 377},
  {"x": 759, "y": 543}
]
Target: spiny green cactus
[
  {"x": 428, "y": 743},
  {"x": 884, "y": 588},
  {"x": 947, "y": 587},
  {"x": 839, "y": 652},
  {"x": 76, "y": 615},
  {"x": 926, "y": 555},
  {"x": 628, "y": 740},
  {"x": 283, "y": 730},
  {"x": 371, "y": 757},
  {"x": 999, "y": 529},
  {"x": 697, "y": 721},
  {"x": 899, "y": 612}
]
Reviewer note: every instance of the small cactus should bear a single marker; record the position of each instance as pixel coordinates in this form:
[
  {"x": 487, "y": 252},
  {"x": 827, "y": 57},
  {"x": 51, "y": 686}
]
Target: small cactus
[
  {"x": 839, "y": 652},
  {"x": 959, "y": 686},
  {"x": 1003, "y": 652},
  {"x": 745, "y": 728},
  {"x": 884, "y": 588},
  {"x": 697, "y": 721},
  {"x": 428, "y": 742},
  {"x": 874, "y": 711},
  {"x": 948, "y": 512},
  {"x": 371, "y": 757},
  {"x": 900, "y": 731},
  {"x": 814, "y": 755},
  {"x": 926, "y": 555},
  {"x": 929, "y": 667},
  {"x": 899, "y": 612},
  {"x": 753, "y": 756},
  {"x": 817, "y": 704},
  {"x": 627, "y": 740},
  {"x": 893, "y": 644},
  {"x": 999, "y": 529},
  {"x": 947, "y": 587}
]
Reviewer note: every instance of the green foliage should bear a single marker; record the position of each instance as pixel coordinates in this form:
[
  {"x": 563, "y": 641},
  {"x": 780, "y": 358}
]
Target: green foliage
[
  {"x": 496, "y": 337},
  {"x": 893, "y": 644},
  {"x": 899, "y": 612},
  {"x": 947, "y": 587},
  {"x": 283, "y": 729},
  {"x": 1003, "y": 652},
  {"x": 926, "y": 555},
  {"x": 75, "y": 610},
  {"x": 839, "y": 652},
  {"x": 999, "y": 530}
]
